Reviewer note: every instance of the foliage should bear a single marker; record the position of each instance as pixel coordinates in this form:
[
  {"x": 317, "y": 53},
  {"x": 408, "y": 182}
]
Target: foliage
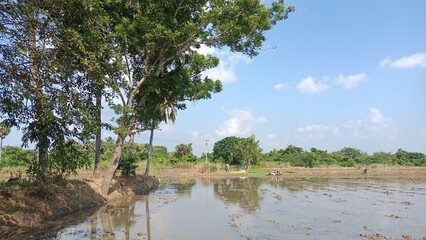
[
  {"x": 11, "y": 184},
  {"x": 291, "y": 156},
  {"x": 248, "y": 150},
  {"x": 294, "y": 155},
  {"x": 44, "y": 90},
  {"x": 346, "y": 157},
  {"x": 182, "y": 154},
  {"x": 273, "y": 156},
  {"x": 17, "y": 156},
  {"x": 189, "y": 158},
  {"x": 128, "y": 166},
  {"x": 182, "y": 150},
  {"x": 157, "y": 41},
  {"x": 410, "y": 158},
  {"x": 66, "y": 158},
  {"x": 224, "y": 151},
  {"x": 4, "y": 130}
]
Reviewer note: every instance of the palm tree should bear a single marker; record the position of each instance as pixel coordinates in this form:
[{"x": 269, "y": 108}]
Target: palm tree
[
  {"x": 168, "y": 113},
  {"x": 4, "y": 131}
]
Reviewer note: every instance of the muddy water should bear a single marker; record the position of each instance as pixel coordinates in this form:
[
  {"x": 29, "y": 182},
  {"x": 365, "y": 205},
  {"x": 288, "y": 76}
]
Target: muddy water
[{"x": 264, "y": 208}]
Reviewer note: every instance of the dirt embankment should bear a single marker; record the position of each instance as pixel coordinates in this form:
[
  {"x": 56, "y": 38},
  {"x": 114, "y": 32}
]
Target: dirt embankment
[{"x": 37, "y": 206}]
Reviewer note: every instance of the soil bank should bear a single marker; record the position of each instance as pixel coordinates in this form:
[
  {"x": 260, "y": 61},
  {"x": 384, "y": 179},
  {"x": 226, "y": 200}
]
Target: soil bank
[{"x": 37, "y": 207}]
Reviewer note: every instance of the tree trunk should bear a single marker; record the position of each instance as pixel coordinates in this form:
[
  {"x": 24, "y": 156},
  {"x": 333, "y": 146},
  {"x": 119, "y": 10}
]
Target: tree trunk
[
  {"x": 96, "y": 173},
  {"x": 151, "y": 137},
  {"x": 148, "y": 218},
  {"x": 109, "y": 174},
  {"x": 1, "y": 146},
  {"x": 43, "y": 151},
  {"x": 40, "y": 102}
]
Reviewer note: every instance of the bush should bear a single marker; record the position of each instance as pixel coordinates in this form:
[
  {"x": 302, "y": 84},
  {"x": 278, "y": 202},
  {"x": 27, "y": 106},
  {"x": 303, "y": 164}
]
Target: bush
[
  {"x": 16, "y": 156},
  {"x": 189, "y": 158},
  {"x": 348, "y": 163},
  {"x": 66, "y": 158},
  {"x": 128, "y": 166}
]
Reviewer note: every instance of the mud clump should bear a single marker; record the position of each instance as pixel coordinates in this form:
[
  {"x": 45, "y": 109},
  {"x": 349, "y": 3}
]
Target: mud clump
[{"x": 36, "y": 205}]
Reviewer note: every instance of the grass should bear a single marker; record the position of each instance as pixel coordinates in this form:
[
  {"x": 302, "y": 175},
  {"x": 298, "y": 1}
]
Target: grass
[{"x": 258, "y": 171}]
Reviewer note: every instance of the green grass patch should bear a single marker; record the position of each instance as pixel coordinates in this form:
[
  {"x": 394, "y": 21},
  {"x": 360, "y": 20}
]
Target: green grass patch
[{"x": 258, "y": 171}]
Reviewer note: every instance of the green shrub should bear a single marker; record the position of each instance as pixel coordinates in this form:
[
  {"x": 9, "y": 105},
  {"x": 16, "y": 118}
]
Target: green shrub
[
  {"x": 66, "y": 158},
  {"x": 127, "y": 166}
]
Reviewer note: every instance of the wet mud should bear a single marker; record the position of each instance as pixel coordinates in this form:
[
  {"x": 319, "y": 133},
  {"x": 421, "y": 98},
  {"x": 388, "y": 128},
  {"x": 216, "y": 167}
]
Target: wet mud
[{"x": 263, "y": 208}]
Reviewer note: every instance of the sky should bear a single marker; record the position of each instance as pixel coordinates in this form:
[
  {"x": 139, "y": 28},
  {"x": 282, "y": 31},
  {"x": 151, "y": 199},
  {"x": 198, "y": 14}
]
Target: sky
[{"x": 335, "y": 74}]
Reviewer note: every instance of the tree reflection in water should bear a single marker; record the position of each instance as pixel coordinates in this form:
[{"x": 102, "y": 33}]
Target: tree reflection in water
[
  {"x": 240, "y": 191},
  {"x": 148, "y": 218},
  {"x": 261, "y": 208},
  {"x": 116, "y": 216}
]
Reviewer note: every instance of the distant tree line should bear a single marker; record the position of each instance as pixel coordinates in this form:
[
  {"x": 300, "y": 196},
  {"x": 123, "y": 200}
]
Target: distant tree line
[
  {"x": 78, "y": 155},
  {"x": 242, "y": 152},
  {"x": 227, "y": 150}
]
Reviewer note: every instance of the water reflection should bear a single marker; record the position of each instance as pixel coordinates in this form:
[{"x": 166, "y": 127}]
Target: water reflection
[
  {"x": 116, "y": 218},
  {"x": 262, "y": 208},
  {"x": 240, "y": 191},
  {"x": 183, "y": 188}
]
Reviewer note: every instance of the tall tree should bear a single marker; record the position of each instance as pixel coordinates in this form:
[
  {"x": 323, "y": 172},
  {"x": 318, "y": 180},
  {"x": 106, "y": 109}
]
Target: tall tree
[
  {"x": 248, "y": 150},
  {"x": 156, "y": 37},
  {"x": 224, "y": 150},
  {"x": 28, "y": 91},
  {"x": 43, "y": 89},
  {"x": 182, "y": 150},
  {"x": 92, "y": 56}
]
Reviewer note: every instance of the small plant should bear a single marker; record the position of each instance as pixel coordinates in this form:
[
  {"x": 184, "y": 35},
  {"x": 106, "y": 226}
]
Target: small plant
[{"x": 128, "y": 166}]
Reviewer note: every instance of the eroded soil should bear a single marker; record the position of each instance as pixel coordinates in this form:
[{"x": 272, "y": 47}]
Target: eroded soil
[{"x": 40, "y": 207}]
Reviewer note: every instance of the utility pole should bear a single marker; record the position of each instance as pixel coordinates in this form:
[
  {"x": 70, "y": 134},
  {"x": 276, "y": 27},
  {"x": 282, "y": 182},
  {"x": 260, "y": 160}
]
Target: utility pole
[{"x": 206, "y": 142}]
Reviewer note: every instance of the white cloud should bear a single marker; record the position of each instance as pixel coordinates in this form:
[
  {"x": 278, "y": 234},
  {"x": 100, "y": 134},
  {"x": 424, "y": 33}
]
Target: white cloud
[
  {"x": 308, "y": 85},
  {"x": 225, "y": 71},
  {"x": 280, "y": 86},
  {"x": 240, "y": 123},
  {"x": 374, "y": 125},
  {"x": 271, "y": 136},
  {"x": 411, "y": 61},
  {"x": 351, "y": 81},
  {"x": 318, "y": 131}
]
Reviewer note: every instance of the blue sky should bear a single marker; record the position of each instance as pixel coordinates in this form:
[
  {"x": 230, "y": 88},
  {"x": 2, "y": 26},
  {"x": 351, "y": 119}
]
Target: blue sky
[{"x": 334, "y": 74}]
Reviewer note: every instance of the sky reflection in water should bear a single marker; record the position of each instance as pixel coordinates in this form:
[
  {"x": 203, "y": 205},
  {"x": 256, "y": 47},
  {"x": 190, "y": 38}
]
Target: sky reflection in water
[{"x": 259, "y": 208}]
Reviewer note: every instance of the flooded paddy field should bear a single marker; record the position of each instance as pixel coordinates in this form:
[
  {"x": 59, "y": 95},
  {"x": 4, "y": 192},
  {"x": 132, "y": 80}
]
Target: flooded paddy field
[{"x": 263, "y": 208}]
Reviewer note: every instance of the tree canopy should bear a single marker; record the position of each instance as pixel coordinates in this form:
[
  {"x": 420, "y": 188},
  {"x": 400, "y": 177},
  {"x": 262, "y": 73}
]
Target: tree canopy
[
  {"x": 55, "y": 63},
  {"x": 158, "y": 40}
]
